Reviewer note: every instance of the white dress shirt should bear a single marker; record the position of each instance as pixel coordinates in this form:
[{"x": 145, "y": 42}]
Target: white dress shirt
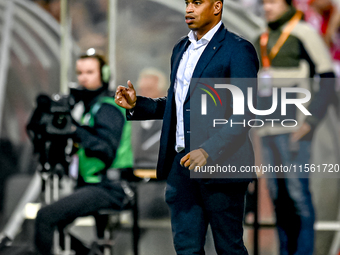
[{"x": 184, "y": 74}]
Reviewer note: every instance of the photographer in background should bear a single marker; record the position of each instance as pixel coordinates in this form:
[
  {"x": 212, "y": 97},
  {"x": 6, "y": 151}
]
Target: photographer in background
[{"x": 102, "y": 139}]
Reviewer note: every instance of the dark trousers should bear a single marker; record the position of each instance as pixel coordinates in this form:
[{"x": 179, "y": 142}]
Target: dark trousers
[
  {"x": 85, "y": 201},
  {"x": 290, "y": 194},
  {"x": 194, "y": 205}
]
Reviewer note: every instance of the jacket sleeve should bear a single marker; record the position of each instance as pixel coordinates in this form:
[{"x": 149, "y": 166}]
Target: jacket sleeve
[
  {"x": 102, "y": 140},
  {"x": 147, "y": 109},
  {"x": 315, "y": 51},
  {"x": 322, "y": 99}
]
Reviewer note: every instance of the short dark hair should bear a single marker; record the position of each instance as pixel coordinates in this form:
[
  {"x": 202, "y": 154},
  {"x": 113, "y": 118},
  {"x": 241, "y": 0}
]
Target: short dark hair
[
  {"x": 101, "y": 59},
  {"x": 289, "y": 2}
]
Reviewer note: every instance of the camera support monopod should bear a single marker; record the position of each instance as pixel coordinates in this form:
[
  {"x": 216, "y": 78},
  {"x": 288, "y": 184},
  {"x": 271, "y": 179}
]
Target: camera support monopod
[{"x": 50, "y": 178}]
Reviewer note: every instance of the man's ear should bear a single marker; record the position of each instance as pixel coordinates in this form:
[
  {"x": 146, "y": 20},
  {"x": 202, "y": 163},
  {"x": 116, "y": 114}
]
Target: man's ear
[{"x": 218, "y": 7}]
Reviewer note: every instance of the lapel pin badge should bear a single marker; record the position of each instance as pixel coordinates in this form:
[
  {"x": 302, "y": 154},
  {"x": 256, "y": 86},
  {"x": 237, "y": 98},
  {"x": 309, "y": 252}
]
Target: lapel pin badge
[{"x": 214, "y": 48}]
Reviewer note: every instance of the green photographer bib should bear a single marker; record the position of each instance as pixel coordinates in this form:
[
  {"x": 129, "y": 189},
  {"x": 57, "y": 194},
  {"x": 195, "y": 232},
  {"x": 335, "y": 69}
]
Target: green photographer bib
[{"x": 89, "y": 167}]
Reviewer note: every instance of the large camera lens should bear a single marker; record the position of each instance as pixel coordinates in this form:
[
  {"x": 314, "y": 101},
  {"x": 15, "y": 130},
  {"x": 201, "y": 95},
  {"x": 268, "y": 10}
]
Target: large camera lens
[{"x": 59, "y": 121}]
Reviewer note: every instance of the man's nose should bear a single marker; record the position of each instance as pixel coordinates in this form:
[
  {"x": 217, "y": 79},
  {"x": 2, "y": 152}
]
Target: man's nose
[
  {"x": 189, "y": 8},
  {"x": 81, "y": 79}
]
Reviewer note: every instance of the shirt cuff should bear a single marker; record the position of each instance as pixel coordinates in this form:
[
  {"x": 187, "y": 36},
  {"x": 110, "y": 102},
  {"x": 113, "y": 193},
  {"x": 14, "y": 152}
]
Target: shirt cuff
[{"x": 131, "y": 112}]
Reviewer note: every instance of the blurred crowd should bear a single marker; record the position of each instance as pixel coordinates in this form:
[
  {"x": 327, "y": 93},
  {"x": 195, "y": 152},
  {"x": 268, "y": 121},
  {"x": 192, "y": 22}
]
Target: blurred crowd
[{"x": 89, "y": 21}]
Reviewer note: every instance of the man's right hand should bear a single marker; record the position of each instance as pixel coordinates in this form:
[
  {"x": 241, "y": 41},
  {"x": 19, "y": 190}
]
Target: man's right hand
[{"x": 126, "y": 97}]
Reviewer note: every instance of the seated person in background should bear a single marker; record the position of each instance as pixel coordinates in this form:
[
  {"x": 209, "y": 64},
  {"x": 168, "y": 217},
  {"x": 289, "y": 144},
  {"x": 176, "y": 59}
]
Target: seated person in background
[
  {"x": 146, "y": 134},
  {"x": 103, "y": 138}
]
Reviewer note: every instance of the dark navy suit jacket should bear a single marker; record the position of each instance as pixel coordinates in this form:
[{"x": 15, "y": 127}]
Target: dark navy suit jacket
[{"x": 226, "y": 56}]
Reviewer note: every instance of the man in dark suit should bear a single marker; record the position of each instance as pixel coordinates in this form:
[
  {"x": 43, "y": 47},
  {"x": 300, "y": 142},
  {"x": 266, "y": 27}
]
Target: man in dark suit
[{"x": 209, "y": 51}]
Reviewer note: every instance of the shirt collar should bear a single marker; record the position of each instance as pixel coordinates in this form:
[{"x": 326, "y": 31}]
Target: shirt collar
[{"x": 206, "y": 38}]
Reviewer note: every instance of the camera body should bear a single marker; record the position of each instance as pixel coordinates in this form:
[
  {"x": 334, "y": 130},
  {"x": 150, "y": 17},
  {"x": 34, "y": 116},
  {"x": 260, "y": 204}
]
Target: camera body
[{"x": 50, "y": 129}]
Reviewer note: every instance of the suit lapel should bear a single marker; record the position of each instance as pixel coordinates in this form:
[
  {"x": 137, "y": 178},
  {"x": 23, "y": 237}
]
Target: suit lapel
[
  {"x": 207, "y": 55},
  {"x": 177, "y": 60}
]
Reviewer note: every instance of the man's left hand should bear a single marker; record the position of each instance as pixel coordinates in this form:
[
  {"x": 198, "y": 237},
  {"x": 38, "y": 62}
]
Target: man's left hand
[{"x": 195, "y": 158}]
